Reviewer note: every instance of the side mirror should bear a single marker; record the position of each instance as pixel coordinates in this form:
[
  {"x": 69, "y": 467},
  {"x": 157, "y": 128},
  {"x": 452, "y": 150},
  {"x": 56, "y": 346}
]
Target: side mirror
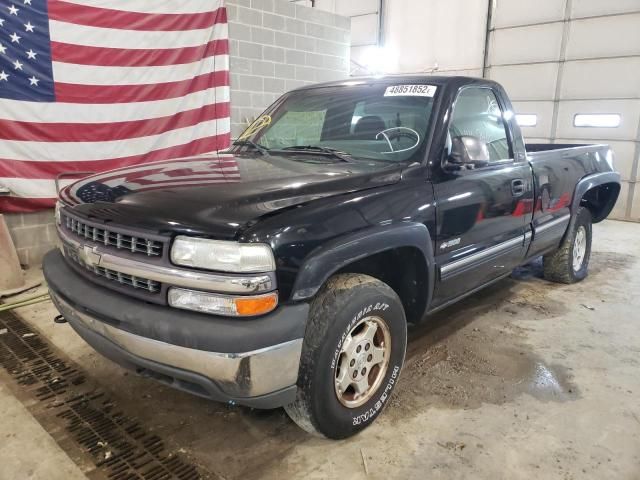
[{"x": 469, "y": 152}]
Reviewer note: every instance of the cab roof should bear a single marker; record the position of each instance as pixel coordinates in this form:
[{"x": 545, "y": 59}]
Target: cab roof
[{"x": 393, "y": 78}]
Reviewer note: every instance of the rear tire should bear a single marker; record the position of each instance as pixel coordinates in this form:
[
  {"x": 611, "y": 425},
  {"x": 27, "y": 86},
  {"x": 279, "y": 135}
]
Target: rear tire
[
  {"x": 352, "y": 354},
  {"x": 570, "y": 263}
]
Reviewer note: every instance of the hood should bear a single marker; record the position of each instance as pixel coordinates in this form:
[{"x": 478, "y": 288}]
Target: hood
[{"x": 218, "y": 195}]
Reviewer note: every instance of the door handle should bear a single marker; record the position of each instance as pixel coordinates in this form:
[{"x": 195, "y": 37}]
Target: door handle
[{"x": 517, "y": 187}]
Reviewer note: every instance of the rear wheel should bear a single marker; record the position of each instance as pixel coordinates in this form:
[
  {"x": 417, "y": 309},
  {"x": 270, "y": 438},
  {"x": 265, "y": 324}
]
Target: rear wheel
[
  {"x": 570, "y": 263},
  {"x": 352, "y": 354}
]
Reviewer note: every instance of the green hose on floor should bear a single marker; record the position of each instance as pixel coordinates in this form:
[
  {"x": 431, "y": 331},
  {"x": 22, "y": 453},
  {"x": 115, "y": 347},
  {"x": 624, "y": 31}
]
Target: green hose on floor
[{"x": 24, "y": 302}]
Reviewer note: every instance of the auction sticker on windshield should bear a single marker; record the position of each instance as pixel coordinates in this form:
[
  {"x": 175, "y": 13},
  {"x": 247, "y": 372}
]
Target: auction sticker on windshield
[{"x": 410, "y": 91}]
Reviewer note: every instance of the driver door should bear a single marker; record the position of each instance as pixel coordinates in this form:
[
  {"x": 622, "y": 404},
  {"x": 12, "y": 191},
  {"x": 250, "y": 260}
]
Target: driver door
[{"x": 481, "y": 208}]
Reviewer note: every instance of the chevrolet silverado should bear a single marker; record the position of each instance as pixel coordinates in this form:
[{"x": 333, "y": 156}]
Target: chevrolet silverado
[{"x": 284, "y": 271}]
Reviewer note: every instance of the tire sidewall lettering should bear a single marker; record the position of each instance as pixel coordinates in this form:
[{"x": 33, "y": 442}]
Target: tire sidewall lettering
[
  {"x": 333, "y": 318},
  {"x": 383, "y": 394},
  {"x": 372, "y": 412}
]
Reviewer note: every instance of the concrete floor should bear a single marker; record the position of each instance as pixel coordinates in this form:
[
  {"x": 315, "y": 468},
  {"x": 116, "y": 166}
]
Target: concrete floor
[
  {"x": 23, "y": 444},
  {"x": 524, "y": 379}
]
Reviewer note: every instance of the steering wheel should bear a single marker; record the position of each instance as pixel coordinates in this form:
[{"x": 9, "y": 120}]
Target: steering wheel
[{"x": 398, "y": 132}]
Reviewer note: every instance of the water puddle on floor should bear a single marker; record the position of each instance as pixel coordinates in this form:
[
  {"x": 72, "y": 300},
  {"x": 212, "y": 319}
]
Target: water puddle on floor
[
  {"x": 459, "y": 373},
  {"x": 476, "y": 352},
  {"x": 549, "y": 383}
]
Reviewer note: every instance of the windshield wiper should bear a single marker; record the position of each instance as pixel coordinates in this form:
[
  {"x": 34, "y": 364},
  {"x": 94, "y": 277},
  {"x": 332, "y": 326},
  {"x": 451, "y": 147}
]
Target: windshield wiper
[
  {"x": 345, "y": 157},
  {"x": 256, "y": 146}
]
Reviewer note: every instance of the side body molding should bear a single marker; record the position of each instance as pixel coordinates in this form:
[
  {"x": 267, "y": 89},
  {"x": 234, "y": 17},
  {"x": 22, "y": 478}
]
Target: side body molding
[{"x": 332, "y": 256}]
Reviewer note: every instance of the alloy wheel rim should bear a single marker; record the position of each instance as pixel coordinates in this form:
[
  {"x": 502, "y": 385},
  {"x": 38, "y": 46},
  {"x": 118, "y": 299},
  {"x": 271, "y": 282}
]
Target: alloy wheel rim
[
  {"x": 363, "y": 361},
  {"x": 579, "y": 248}
]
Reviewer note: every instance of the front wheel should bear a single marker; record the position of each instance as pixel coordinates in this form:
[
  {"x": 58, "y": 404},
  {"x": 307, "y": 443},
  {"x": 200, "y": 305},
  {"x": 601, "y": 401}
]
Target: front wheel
[
  {"x": 352, "y": 355},
  {"x": 570, "y": 263}
]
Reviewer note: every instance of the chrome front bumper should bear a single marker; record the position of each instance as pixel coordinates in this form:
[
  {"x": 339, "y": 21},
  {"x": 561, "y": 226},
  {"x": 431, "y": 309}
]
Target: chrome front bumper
[{"x": 241, "y": 377}]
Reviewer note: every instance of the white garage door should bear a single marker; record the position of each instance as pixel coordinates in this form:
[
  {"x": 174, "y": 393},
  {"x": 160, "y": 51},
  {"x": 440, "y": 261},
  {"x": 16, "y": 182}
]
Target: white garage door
[{"x": 574, "y": 67}]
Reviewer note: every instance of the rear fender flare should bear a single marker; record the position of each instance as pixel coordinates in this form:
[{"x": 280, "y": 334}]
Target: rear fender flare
[
  {"x": 336, "y": 254},
  {"x": 590, "y": 181},
  {"x": 584, "y": 185}
]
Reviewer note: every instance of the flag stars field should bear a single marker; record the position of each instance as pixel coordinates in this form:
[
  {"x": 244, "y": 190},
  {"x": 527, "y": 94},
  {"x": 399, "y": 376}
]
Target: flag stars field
[{"x": 94, "y": 86}]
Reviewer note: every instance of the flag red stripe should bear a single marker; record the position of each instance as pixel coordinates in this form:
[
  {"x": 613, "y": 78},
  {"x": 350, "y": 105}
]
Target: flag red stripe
[
  {"x": 104, "y": 132},
  {"x": 131, "y": 57},
  {"x": 108, "y": 18},
  {"x": 89, "y": 94},
  {"x": 50, "y": 170},
  {"x": 25, "y": 205}
]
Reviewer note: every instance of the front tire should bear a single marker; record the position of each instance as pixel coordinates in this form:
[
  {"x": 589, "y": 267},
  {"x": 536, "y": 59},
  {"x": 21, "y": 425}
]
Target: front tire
[
  {"x": 352, "y": 354},
  {"x": 570, "y": 263}
]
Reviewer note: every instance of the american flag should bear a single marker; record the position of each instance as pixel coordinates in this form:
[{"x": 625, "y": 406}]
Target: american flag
[{"x": 93, "y": 85}]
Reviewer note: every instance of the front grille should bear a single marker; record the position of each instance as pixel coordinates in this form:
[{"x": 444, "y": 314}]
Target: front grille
[
  {"x": 123, "y": 241},
  {"x": 122, "y": 278}
]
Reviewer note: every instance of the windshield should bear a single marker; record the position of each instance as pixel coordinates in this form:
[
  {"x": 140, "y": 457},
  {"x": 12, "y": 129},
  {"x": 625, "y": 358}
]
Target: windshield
[{"x": 379, "y": 122}]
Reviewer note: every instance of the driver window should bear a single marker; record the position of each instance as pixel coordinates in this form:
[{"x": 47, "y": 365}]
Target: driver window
[{"x": 477, "y": 114}]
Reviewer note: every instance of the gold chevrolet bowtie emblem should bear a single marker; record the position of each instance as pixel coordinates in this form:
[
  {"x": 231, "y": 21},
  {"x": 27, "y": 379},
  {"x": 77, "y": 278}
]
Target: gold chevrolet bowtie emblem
[{"x": 89, "y": 255}]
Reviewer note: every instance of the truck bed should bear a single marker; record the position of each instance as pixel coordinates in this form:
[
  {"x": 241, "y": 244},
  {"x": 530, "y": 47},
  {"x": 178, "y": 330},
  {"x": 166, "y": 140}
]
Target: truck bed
[
  {"x": 557, "y": 169},
  {"x": 552, "y": 147}
]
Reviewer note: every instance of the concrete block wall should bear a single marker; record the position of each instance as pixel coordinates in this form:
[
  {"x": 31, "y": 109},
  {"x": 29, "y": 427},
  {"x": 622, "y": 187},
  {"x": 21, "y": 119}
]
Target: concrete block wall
[
  {"x": 365, "y": 25},
  {"x": 276, "y": 46},
  {"x": 33, "y": 235}
]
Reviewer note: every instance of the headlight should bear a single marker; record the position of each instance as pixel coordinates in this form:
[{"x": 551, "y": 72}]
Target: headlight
[
  {"x": 57, "y": 212},
  {"x": 222, "y": 256},
  {"x": 240, "y": 306}
]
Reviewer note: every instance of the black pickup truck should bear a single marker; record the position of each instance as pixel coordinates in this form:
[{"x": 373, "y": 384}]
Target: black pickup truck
[{"x": 284, "y": 271}]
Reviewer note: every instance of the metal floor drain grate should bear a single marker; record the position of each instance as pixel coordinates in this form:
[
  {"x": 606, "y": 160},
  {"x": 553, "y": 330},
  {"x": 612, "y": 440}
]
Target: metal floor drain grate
[{"x": 119, "y": 446}]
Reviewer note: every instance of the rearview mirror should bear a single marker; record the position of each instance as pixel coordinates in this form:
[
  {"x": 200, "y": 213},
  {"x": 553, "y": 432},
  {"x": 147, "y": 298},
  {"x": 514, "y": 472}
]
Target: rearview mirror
[{"x": 468, "y": 151}]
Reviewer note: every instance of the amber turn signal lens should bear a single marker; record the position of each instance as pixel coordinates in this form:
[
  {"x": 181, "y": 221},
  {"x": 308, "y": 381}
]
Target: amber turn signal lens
[
  {"x": 256, "y": 305},
  {"x": 218, "y": 304}
]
